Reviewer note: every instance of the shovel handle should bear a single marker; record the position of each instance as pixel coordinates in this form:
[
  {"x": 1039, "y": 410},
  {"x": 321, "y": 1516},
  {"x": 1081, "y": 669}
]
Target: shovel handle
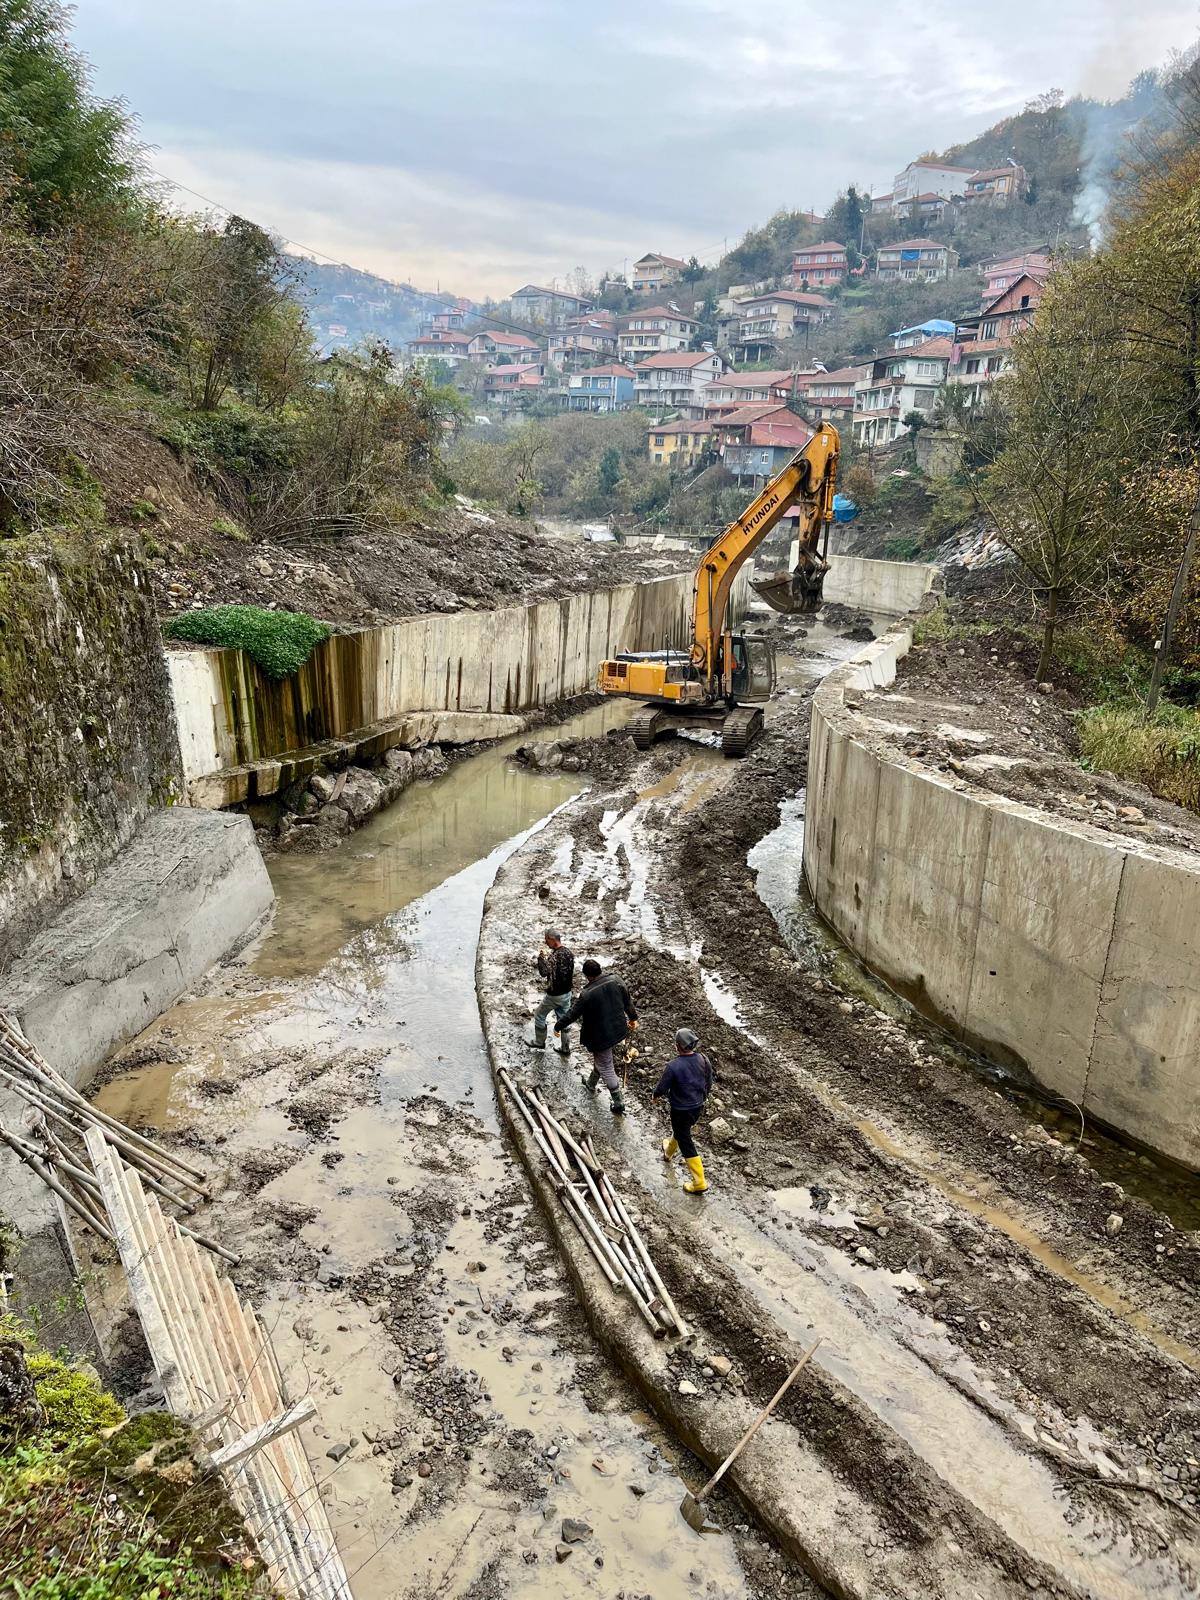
[{"x": 756, "y": 1424}]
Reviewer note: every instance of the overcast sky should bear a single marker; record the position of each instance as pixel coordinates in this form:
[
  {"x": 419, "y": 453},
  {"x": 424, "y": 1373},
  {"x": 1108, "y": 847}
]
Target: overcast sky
[{"x": 481, "y": 144}]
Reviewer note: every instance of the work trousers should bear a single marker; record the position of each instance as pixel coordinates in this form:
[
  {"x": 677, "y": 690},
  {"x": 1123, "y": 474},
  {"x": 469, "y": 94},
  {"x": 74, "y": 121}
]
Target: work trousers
[
  {"x": 603, "y": 1062},
  {"x": 682, "y": 1123},
  {"x": 559, "y": 1005}
]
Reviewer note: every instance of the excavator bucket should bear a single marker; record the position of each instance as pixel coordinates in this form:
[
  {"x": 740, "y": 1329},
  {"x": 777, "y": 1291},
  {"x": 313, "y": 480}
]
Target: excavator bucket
[{"x": 794, "y": 593}]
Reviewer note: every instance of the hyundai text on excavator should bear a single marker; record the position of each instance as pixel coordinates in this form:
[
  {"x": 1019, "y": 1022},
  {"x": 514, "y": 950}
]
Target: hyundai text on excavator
[{"x": 726, "y": 677}]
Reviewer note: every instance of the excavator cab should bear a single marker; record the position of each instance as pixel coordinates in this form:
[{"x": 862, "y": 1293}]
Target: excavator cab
[{"x": 753, "y": 675}]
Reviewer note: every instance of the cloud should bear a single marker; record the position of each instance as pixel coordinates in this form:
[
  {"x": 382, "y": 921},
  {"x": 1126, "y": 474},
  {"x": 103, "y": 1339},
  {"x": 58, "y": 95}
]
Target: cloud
[{"x": 485, "y": 145}]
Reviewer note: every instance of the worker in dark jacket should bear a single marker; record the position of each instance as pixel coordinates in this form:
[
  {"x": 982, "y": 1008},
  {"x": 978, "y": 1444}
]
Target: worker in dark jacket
[
  {"x": 557, "y": 967},
  {"x": 606, "y": 1015},
  {"x": 687, "y": 1083}
]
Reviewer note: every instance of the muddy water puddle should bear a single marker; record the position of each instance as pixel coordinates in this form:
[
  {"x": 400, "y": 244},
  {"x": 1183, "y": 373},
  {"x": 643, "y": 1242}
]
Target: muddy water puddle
[{"x": 777, "y": 861}]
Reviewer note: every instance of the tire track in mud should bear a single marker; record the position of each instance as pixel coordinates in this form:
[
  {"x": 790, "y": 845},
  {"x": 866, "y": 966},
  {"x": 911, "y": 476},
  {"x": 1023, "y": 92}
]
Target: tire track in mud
[{"x": 893, "y": 1462}]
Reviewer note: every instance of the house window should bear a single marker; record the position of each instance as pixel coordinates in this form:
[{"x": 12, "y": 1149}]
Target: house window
[
  {"x": 1024, "y": 302},
  {"x": 988, "y": 331},
  {"x": 658, "y": 438},
  {"x": 973, "y": 366},
  {"x": 658, "y": 455}
]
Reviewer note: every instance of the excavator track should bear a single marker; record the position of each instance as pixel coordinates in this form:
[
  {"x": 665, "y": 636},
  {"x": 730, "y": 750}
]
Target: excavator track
[
  {"x": 646, "y": 725},
  {"x": 740, "y": 729}
]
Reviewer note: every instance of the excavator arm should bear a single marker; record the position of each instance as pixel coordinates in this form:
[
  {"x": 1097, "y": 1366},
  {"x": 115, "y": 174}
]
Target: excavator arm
[{"x": 809, "y": 479}]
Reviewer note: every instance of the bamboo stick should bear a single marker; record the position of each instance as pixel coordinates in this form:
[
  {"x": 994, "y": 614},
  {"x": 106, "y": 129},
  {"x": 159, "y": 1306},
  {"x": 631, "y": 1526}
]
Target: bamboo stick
[
  {"x": 52, "y": 1183},
  {"x": 640, "y": 1245}
]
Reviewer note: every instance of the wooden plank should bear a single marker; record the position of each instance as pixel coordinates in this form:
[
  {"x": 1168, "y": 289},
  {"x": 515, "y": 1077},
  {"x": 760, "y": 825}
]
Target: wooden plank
[
  {"x": 263, "y": 1433},
  {"x": 141, "y": 1286}
]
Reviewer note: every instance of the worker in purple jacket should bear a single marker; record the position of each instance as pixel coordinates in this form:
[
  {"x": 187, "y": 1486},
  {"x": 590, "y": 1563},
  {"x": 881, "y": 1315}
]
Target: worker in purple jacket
[{"x": 686, "y": 1083}]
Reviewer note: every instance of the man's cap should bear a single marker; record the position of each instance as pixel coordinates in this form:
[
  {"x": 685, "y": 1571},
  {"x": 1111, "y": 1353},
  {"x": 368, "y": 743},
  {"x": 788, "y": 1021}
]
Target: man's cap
[{"x": 686, "y": 1039}]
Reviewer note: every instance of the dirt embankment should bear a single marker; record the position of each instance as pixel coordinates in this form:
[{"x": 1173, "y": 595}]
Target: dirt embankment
[
  {"x": 451, "y": 558},
  {"x": 970, "y": 704}
]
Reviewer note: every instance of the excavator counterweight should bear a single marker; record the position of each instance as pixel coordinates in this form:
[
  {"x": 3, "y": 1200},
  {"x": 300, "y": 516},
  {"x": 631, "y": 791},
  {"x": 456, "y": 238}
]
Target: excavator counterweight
[{"x": 722, "y": 678}]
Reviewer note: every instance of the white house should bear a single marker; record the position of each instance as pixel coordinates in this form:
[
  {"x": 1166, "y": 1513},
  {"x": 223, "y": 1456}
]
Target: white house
[
  {"x": 928, "y": 177},
  {"x": 894, "y": 385},
  {"x": 675, "y": 381}
]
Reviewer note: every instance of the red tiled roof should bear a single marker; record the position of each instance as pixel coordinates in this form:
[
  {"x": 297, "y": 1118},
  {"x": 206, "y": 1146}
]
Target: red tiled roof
[
  {"x": 674, "y": 358},
  {"x": 612, "y": 369},
  {"x": 752, "y": 380},
  {"x": 850, "y": 375},
  {"x": 680, "y": 427},
  {"x": 510, "y": 371},
  {"x": 931, "y": 347},
  {"x": 809, "y": 249},
  {"x": 740, "y": 416},
  {"x": 518, "y": 341},
  {"x": 663, "y": 311},
  {"x": 931, "y": 196},
  {"x": 792, "y": 296},
  {"x": 653, "y": 255},
  {"x": 442, "y": 338},
  {"x": 911, "y": 244},
  {"x": 794, "y": 434},
  {"x": 998, "y": 172}
]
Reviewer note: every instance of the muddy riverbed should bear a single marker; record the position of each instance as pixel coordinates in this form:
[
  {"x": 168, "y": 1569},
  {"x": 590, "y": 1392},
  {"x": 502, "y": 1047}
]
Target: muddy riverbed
[
  {"x": 335, "y": 1081},
  {"x": 1004, "y": 1375}
]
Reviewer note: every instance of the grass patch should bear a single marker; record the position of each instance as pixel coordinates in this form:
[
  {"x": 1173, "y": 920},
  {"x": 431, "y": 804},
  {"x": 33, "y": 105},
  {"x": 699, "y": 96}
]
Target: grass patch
[
  {"x": 1162, "y": 751},
  {"x": 278, "y": 642},
  {"x": 941, "y": 623},
  {"x": 97, "y": 1507}
]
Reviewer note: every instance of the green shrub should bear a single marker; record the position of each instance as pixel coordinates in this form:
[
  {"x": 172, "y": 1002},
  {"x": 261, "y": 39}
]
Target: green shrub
[
  {"x": 1162, "y": 751},
  {"x": 905, "y": 547},
  {"x": 228, "y": 529},
  {"x": 278, "y": 642}
]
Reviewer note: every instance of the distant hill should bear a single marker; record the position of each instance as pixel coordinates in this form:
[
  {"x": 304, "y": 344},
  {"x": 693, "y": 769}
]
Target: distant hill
[{"x": 345, "y": 306}]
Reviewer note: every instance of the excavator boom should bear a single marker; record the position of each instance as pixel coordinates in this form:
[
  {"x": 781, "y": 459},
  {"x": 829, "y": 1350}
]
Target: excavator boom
[
  {"x": 723, "y": 678},
  {"x": 809, "y": 479}
]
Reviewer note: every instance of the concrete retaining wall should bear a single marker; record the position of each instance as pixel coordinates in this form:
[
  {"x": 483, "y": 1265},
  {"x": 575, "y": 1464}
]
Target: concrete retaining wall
[
  {"x": 897, "y": 587},
  {"x": 188, "y": 889},
  {"x": 510, "y": 660},
  {"x": 1041, "y": 942}
]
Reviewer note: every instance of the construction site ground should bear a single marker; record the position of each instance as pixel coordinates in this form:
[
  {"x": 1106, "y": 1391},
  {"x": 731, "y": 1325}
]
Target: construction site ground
[{"x": 1006, "y": 1397}]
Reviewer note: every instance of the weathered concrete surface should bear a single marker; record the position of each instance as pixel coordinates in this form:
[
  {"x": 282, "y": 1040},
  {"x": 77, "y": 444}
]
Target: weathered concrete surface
[
  {"x": 187, "y": 889},
  {"x": 1044, "y": 943},
  {"x": 256, "y": 780},
  {"x": 893, "y": 586},
  {"x": 505, "y": 661}
]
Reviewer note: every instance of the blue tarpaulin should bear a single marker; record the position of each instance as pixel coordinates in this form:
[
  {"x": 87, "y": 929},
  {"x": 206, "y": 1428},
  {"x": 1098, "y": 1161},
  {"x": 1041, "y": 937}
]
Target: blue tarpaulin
[
  {"x": 910, "y": 255},
  {"x": 844, "y": 509}
]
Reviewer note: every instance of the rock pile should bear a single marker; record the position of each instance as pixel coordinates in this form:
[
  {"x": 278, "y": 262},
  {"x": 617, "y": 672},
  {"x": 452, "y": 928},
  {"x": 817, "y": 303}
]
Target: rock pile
[{"x": 331, "y": 804}]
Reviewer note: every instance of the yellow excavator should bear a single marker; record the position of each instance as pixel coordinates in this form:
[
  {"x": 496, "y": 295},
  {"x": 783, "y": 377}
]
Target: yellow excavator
[{"x": 725, "y": 678}]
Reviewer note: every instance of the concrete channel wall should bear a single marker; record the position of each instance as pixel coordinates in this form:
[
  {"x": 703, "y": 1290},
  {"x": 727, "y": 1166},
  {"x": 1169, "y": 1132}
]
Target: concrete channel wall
[
  {"x": 509, "y": 660},
  {"x": 1040, "y": 942},
  {"x": 892, "y": 586}
]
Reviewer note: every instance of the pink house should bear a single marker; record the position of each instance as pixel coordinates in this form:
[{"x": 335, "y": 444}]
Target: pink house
[{"x": 819, "y": 263}]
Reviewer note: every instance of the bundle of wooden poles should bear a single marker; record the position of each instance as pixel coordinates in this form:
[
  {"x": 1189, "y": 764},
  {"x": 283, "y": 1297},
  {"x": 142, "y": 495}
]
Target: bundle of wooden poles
[
  {"x": 598, "y": 1211},
  {"x": 52, "y": 1143}
]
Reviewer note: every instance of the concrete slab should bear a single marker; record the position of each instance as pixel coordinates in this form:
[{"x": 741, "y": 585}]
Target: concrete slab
[
  {"x": 187, "y": 889},
  {"x": 1144, "y": 1074},
  {"x": 1045, "y": 919},
  {"x": 929, "y": 852}
]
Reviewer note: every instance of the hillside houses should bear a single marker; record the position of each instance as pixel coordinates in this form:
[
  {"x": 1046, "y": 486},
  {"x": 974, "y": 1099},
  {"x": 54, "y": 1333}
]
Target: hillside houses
[
  {"x": 676, "y": 382},
  {"x": 655, "y": 330},
  {"x": 652, "y": 273},
  {"x": 499, "y": 345},
  {"x": 819, "y": 263},
  {"x": 603, "y": 388},
  {"x": 904, "y": 381},
  {"x": 547, "y": 308},
  {"x": 915, "y": 260},
  {"x": 764, "y": 321},
  {"x": 925, "y": 187}
]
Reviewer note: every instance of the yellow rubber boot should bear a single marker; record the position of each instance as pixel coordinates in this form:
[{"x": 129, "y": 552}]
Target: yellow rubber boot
[
  {"x": 670, "y": 1149},
  {"x": 696, "y": 1168}
]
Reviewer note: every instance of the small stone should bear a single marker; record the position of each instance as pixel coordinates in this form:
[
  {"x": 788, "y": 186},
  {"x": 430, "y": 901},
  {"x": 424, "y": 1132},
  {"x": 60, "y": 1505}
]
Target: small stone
[
  {"x": 1114, "y": 1223},
  {"x": 561, "y": 1552},
  {"x": 867, "y": 1257},
  {"x": 338, "y": 1451},
  {"x": 721, "y": 1365},
  {"x": 687, "y": 1388},
  {"x": 424, "y": 1470},
  {"x": 637, "y": 1490},
  {"x": 574, "y": 1531}
]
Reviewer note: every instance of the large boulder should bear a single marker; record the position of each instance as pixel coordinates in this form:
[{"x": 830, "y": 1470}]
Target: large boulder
[{"x": 362, "y": 794}]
